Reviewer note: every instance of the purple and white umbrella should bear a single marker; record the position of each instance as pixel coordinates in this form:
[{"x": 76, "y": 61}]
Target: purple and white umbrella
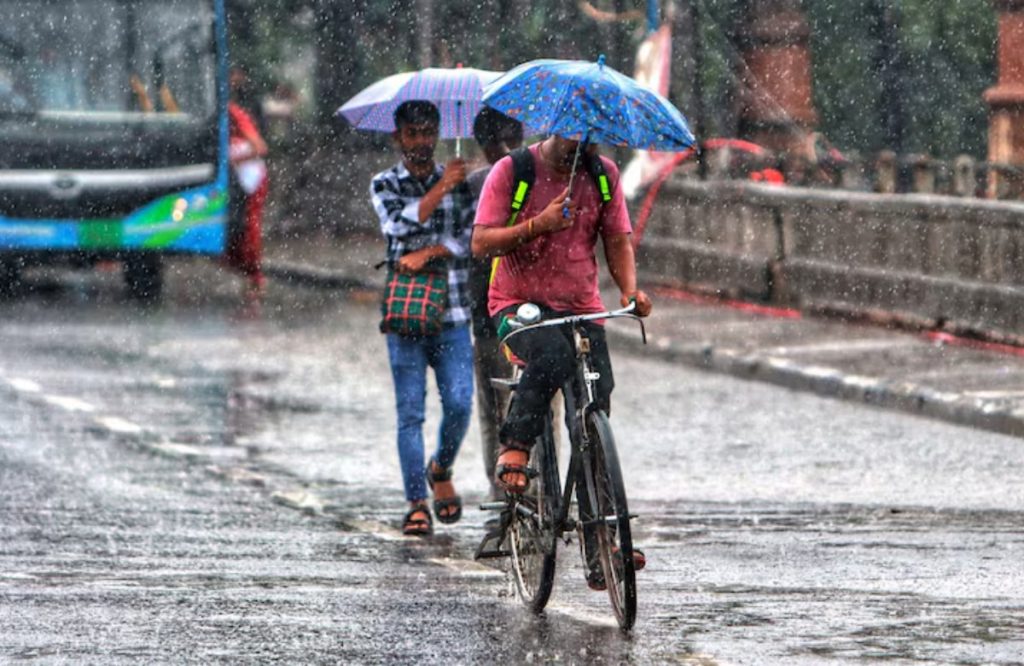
[{"x": 456, "y": 92}]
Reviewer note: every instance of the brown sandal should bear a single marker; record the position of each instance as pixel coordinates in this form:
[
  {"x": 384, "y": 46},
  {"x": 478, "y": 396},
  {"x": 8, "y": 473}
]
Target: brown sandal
[
  {"x": 503, "y": 469},
  {"x": 447, "y": 510}
]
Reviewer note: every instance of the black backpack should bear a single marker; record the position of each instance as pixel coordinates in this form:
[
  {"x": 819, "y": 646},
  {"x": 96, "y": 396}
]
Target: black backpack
[{"x": 524, "y": 175}]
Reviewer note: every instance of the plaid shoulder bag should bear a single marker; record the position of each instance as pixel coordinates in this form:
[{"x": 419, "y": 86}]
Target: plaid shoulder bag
[{"x": 414, "y": 303}]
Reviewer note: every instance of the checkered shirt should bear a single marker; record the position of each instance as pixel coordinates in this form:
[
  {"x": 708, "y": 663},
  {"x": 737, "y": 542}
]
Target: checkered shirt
[{"x": 396, "y": 196}]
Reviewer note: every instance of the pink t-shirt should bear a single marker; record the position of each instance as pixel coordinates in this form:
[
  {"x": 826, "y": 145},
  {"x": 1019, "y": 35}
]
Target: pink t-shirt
[{"x": 557, "y": 270}]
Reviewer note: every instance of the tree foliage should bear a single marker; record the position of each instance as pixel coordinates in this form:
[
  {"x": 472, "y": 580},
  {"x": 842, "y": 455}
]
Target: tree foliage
[{"x": 941, "y": 55}]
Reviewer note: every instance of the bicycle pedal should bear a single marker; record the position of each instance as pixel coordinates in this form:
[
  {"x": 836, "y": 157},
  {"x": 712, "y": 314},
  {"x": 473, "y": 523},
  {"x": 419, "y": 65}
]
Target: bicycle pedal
[
  {"x": 491, "y": 546},
  {"x": 494, "y": 506}
]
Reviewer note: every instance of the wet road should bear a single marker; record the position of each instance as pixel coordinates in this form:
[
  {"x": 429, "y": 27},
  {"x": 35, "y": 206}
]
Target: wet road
[{"x": 152, "y": 459}]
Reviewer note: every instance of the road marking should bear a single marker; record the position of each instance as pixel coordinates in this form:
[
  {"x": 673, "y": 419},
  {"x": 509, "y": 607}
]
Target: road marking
[
  {"x": 24, "y": 385},
  {"x": 582, "y": 615},
  {"x": 69, "y": 403},
  {"x": 379, "y": 530},
  {"x": 995, "y": 395},
  {"x": 120, "y": 426},
  {"x": 173, "y": 450},
  {"x": 302, "y": 500},
  {"x": 860, "y": 381},
  {"x": 467, "y": 568}
]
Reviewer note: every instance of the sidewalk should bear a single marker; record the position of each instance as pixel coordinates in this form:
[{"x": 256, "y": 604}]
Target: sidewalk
[{"x": 940, "y": 377}]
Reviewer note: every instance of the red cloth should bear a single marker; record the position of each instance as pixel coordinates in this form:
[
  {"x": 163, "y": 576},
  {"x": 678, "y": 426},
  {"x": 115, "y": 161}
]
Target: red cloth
[
  {"x": 240, "y": 122},
  {"x": 246, "y": 255},
  {"x": 557, "y": 270}
]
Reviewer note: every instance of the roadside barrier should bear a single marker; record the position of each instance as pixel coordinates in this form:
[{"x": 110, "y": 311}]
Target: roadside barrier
[{"x": 927, "y": 261}]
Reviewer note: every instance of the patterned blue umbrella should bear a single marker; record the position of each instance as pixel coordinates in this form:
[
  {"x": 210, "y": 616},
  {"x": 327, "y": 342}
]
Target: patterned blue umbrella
[
  {"x": 456, "y": 92},
  {"x": 576, "y": 99}
]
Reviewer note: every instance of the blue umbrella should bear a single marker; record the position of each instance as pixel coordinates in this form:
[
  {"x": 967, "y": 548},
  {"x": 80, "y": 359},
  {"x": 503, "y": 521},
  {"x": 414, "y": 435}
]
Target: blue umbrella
[{"x": 590, "y": 102}]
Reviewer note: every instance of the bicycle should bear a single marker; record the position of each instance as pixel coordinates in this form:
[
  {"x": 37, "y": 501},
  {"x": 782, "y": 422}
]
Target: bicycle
[{"x": 532, "y": 523}]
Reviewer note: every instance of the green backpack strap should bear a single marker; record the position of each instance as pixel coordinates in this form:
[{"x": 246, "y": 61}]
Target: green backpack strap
[
  {"x": 595, "y": 167},
  {"x": 523, "y": 176}
]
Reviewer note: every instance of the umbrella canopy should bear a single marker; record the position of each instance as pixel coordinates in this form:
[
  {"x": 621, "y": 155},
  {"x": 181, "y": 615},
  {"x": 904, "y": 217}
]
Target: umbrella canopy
[
  {"x": 576, "y": 99},
  {"x": 456, "y": 92}
]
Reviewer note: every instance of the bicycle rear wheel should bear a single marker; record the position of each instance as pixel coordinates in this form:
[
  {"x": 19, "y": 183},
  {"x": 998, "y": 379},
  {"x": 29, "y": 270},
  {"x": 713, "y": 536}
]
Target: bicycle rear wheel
[
  {"x": 609, "y": 518},
  {"x": 532, "y": 535}
]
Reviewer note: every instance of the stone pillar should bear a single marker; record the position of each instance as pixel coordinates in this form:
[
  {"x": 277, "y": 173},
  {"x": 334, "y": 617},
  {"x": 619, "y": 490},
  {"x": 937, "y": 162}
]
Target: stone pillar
[
  {"x": 776, "y": 109},
  {"x": 885, "y": 172},
  {"x": 1006, "y": 99},
  {"x": 965, "y": 182}
]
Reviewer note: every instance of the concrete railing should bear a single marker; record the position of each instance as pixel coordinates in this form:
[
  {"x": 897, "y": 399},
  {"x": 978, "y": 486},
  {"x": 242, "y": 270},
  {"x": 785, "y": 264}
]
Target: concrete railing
[{"x": 927, "y": 260}]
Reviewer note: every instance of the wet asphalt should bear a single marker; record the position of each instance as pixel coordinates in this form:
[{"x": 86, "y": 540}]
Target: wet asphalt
[{"x": 213, "y": 479}]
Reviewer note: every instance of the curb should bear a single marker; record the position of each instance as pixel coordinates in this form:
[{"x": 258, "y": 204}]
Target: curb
[
  {"x": 825, "y": 381},
  {"x": 299, "y": 274},
  {"x": 833, "y": 383}
]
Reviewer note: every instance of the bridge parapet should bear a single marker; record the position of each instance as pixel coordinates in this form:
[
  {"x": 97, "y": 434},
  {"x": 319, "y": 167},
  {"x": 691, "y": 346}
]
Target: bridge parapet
[{"x": 927, "y": 260}]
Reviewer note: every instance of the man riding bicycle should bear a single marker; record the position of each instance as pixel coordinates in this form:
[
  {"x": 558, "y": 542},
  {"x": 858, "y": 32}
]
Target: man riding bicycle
[{"x": 546, "y": 256}]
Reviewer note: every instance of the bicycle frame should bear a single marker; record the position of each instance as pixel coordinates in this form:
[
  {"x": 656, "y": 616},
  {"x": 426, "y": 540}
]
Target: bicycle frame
[
  {"x": 578, "y": 389},
  {"x": 532, "y": 523}
]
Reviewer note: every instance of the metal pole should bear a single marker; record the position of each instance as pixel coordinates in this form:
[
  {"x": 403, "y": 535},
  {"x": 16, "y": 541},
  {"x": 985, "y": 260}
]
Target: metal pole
[
  {"x": 698, "y": 87},
  {"x": 652, "y": 16},
  {"x": 425, "y": 31}
]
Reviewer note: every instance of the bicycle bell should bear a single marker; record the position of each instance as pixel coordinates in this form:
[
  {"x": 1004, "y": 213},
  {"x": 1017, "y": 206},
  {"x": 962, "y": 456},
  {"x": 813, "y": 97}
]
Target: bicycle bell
[{"x": 528, "y": 314}]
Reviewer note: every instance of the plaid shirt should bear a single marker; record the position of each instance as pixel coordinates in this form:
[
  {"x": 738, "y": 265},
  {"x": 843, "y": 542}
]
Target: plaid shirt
[{"x": 396, "y": 196}]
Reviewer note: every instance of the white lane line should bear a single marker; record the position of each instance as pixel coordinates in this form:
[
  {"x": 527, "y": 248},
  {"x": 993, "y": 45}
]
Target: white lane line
[
  {"x": 24, "y": 385},
  {"x": 583, "y": 616},
  {"x": 467, "y": 568},
  {"x": 69, "y": 403},
  {"x": 379, "y": 530},
  {"x": 118, "y": 425},
  {"x": 995, "y": 395},
  {"x": 299, "y": 499},
  {"x": 174, "y": 450}
]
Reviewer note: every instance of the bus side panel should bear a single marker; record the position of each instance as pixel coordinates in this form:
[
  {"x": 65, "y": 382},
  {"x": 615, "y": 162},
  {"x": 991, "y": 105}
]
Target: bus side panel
[{"x": 192, "y": 221}]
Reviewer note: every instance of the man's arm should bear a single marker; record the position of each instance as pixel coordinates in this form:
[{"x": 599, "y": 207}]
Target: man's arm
[
  {"x": 415, "y": 262},
  {"x": 454, "y": 173},
  {"x": 618, "y": 251},
  {"x": 495, "y": 241},
  {"x": 400, "y": 215}
]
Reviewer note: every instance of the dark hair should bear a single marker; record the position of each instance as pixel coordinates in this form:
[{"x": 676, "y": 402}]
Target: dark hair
[
  {"x": 416, "y": 112},
  {"x": 492, "y": 126}
]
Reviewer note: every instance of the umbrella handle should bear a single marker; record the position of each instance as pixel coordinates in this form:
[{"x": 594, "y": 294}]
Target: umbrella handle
[
  {"x": 572, "y": 175},
  {"x": 458, "y": 146}
]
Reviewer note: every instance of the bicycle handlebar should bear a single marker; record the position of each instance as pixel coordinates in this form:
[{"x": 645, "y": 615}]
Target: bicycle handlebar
[{"x": 626, "y": 312}]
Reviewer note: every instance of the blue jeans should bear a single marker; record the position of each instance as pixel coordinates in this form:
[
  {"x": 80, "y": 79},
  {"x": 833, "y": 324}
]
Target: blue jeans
[{"x": 450, "y": 354}]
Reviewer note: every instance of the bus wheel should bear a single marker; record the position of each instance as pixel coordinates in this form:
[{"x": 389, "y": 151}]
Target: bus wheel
[
  {"x": 10, "y": 276},
  {"x": 144, "y": 277}
]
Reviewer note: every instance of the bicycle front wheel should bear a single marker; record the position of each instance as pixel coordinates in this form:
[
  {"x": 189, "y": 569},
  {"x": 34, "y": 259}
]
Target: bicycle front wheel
[
  {"x": 532, "y": 534},
  {"x": 611, "y": 533}
]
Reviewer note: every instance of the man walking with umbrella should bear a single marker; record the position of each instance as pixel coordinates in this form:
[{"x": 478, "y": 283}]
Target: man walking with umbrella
[{"x": 425, "y": 213}]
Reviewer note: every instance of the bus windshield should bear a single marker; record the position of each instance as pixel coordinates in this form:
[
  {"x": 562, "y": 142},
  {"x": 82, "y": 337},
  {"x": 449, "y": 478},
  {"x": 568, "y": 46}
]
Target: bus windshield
[
  {"x": 107, "y": 57},
  {"x": 110, "y": 73}
]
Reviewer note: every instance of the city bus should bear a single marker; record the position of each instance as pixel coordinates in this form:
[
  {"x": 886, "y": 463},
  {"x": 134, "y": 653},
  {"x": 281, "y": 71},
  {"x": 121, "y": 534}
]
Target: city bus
[{"x": 113, "y": 134}]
